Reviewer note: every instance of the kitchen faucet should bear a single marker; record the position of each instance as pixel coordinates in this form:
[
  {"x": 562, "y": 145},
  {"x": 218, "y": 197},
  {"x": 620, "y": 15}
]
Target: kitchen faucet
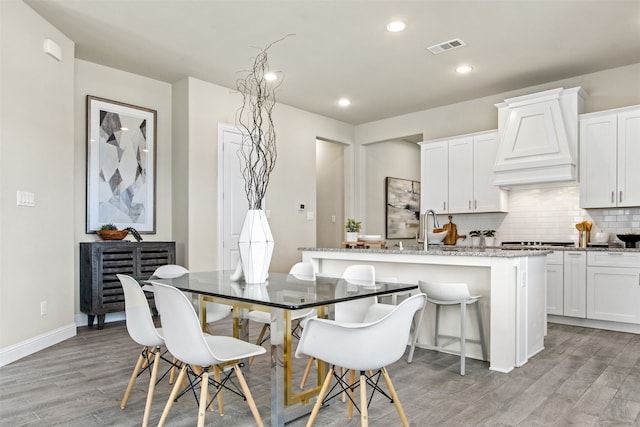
[{"x": 426, "y": 226}]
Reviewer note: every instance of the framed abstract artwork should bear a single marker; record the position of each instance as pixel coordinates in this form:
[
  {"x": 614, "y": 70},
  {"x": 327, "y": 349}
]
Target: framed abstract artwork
[
  {"x": 121, "y": 143},
  {"x": 403, "y": 208}
]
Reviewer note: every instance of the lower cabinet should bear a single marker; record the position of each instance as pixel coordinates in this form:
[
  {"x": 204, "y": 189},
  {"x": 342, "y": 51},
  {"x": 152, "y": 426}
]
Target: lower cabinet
[
  {"x": 100, "y": 289},
  {"x": 613, "y": 287},
  {"x": 555, "y": 284},
  {"x": 575, "y": 279}
]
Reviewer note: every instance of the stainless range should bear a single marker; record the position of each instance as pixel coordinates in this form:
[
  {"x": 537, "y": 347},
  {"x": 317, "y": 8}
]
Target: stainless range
[{"x": 514, "y": 245}]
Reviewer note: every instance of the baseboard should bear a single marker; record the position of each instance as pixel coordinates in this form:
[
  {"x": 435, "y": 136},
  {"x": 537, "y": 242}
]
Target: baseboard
[
  {"x": 33, "y": 345},
  {"x": 631, "y": 328}
]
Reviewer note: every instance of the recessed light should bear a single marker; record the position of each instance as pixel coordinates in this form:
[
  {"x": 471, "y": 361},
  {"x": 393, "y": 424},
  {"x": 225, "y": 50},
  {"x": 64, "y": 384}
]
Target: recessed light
[
  {"x": 344, "y": 102},
  {"x": 464, "y": 69},
  {"x": 270, "y": 76},
  {"x": 396, "y": 26},
  {"x": 124, "y": 129}
]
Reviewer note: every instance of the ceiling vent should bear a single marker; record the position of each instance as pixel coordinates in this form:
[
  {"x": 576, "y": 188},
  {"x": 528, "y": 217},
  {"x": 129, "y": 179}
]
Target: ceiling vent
[{"x": 443, "y": 47}]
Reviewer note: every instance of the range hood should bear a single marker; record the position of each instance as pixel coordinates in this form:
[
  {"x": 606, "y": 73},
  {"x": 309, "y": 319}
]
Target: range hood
[{"x": 538, "y": 137}]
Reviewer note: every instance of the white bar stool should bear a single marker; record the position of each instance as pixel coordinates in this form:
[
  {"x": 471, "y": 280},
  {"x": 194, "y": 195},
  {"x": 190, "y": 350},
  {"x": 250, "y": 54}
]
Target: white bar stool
[{"x": 452, "y": 294}]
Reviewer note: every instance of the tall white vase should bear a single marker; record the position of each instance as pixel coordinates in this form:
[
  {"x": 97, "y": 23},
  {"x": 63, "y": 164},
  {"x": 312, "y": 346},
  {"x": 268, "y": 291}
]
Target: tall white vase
[{"x": 256, "y": 246}]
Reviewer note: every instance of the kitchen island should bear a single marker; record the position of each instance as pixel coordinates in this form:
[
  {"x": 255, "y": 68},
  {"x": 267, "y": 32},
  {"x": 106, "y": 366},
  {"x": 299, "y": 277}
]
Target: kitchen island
[{"x": 512, "y": 284}]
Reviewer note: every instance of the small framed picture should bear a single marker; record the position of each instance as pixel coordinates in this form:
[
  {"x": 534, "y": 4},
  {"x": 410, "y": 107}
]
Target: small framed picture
[
  {"x": 121, "y": 146},
  {"x": 403, "y": 208}
]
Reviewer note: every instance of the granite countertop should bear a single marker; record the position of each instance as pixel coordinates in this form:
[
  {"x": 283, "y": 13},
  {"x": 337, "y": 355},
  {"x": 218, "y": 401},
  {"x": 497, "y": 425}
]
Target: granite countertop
[
  {"x": 441, "y": 251},
  {"x": 495, "y": 251},
  {"x": 573, "y": 248}
]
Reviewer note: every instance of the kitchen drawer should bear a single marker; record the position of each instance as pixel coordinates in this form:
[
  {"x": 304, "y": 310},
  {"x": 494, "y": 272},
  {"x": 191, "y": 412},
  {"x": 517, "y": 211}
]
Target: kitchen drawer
[
  {"x": 613, "y": 259},
  {"x": 555, "y": 257}
]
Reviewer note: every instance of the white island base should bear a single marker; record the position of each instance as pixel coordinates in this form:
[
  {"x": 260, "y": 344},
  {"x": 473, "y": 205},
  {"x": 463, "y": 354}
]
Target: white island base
[{"x": 512, "y": 285}]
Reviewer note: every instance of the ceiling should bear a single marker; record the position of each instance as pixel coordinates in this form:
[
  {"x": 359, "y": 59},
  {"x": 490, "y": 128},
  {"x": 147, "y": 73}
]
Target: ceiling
[{"x": 342, "y": 49}]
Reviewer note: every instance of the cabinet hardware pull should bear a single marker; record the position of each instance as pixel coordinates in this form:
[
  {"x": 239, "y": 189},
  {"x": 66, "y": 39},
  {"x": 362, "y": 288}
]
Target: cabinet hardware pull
[
  {"x": 444, "y": 206},
  {"x": 475, "y": 204},
  {"x": 615, "y": 253},
  {"x": 620, "y": 201},
  {"x": 612, "y": 197},
  {"x": 469, "y": 204},
  {"x": 574, "y": 254}
]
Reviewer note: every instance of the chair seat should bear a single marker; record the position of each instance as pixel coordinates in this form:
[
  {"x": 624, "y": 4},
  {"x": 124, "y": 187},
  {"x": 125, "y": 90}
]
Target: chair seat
[
  {"x": 265, "y": 317},
  {"x": 230, "y": 348}
]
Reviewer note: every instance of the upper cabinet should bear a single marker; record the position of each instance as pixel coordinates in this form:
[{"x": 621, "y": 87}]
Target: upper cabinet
[
  {"x": 538, "y": 136},
  {"x": 457, "y": 175},
  {"x": 609, "y": 158},
  {"x": 434, "y": 176}
]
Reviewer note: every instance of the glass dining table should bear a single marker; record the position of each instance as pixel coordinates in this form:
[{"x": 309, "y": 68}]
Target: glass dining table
[{"x": 280, "y": 295}]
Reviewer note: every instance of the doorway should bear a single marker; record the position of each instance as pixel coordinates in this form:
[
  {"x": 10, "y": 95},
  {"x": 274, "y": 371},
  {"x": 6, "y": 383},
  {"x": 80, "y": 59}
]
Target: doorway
[{"x": 330, "y": 205}]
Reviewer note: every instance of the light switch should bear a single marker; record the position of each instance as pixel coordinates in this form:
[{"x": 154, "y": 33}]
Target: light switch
[
  {"x": 26, "y": 198},
  {"x": 310, "y": 216}
]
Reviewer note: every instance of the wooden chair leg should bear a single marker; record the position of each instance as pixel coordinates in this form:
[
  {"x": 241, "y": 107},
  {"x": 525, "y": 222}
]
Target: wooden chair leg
[
  {"x": 172, "y": 374},
  {"x": 394, "y": 396},
  {"x": 248, "y": 396},
  {"x": 352, "y": 381},
  {"x": 259, "y": 340},
  {"x": 172, "y": 396},
  {"x": 204, "y": 395},
  {"x": 307, "y": 371},
  {"x": 343, "y": 395},
  {"x": 132, "y": 380},
  {"x": 323, "y": 392},
  {"x": 364, "y": 411},
  {"x": 216, "y": 375},
  {"x": 152, "y": 386}
]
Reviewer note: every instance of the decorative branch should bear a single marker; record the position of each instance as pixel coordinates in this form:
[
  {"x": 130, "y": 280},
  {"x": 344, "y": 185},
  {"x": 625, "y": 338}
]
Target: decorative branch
[{"x": 258, "y": 152}]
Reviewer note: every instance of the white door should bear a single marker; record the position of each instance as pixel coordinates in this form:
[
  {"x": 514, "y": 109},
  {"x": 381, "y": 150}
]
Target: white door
[{"x": 232, "y": 197}]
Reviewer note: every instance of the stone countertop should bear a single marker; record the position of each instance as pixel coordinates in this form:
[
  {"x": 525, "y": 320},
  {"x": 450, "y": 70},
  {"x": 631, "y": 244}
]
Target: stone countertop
[
  {"x": 573, "y": 248},
  {"x": 440, "y": 250},
  {"x": 495, "y": 251}
]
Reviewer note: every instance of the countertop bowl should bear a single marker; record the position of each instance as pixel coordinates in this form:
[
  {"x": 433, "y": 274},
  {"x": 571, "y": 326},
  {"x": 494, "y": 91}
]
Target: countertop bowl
[
  {"x": 435, "y": 238},
  {"x": 629, "y": 240},
  {"x": 112, "y": 234}
]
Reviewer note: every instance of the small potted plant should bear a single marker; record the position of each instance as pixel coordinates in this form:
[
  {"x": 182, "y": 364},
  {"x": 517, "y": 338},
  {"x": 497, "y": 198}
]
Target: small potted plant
[
  {"x": 475, "y": 237},
  {"x": 353, "y": 228},
  {"x": 489, "y": 236}
]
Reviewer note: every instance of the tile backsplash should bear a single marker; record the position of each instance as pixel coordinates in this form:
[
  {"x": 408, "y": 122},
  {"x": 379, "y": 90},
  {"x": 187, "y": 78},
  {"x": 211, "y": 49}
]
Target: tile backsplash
[{"x": 548, "y": 213}]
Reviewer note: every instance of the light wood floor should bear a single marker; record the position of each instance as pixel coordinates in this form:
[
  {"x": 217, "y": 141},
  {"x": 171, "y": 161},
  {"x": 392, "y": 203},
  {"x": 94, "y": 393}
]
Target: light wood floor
[{"x": 584, "y": 377}]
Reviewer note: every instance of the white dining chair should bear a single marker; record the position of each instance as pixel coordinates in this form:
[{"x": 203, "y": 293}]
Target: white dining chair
[
  {"x": 199, "y": 352},
  {"x": 360, "y": 347},
  {"x": 214, "y": 311},
  {"x": 450, "y": 294},
  {"x": 357, "y": 311},
  {"x": 143, "y": 331}
]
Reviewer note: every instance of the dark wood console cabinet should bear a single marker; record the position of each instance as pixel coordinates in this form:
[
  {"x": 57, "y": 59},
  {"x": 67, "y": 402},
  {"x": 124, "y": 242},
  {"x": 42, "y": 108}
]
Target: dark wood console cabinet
[{"x": 100, "y": 289}]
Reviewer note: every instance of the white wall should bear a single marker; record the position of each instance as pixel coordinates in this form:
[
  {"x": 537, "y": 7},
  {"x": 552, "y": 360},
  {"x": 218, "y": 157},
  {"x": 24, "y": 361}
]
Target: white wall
[
  {"x": 293, "y": 179},
  {"x": 396, "y": 159},
  {"x": 36, "y": 155},
  {"x": 117, "y": 85},
  {"x": 534, "y": 214}
]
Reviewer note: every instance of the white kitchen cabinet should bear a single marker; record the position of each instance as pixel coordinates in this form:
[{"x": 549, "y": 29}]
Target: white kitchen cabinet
[
  {"x": 575, "y": 284},
  {"x": 613, "y": 286},
  {"x": 468, "y": 168},
  {"x": 555, "y": 283},
  {"x": 609, "y": 158},
  {"x": 434, "y": 176}
]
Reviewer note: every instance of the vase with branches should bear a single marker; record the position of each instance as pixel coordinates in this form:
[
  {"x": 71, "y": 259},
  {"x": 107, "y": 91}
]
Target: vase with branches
[{"x": 258, "y": 156}]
